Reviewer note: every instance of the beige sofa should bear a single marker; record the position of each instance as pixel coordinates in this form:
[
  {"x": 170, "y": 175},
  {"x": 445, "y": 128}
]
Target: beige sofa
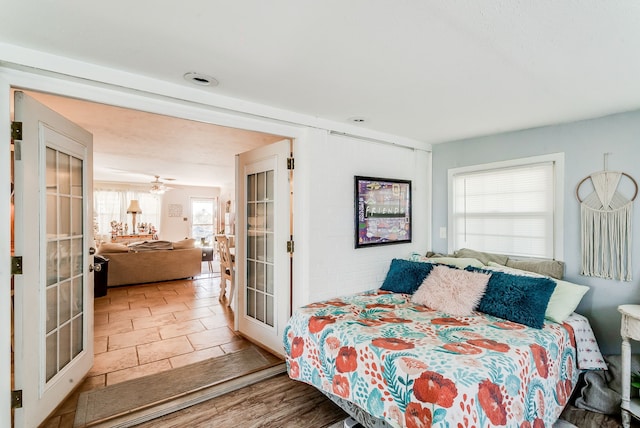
[{"x": 126, "y": 266}]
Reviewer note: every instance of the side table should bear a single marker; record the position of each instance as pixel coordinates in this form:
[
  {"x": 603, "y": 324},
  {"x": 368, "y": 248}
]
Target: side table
[
  {"x": 629, "y": 330},
  {"x": 207, "y": 256}
]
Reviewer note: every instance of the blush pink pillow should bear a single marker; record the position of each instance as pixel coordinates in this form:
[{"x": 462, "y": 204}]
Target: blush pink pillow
[{"x": 454, "y": 291}]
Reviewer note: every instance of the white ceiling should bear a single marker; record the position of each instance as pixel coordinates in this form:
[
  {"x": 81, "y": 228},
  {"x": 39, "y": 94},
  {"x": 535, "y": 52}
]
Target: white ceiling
[
  {"x": 132, "y": 146},
  {"x": 432, "y": 71}
]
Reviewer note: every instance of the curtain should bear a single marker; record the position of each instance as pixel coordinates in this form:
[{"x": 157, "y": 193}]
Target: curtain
[{"x": 111, "y": 205}]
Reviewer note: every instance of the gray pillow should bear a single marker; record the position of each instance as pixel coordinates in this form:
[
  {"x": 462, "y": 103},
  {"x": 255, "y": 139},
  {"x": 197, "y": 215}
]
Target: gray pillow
[
  {"x": 485, "y": 258},
  {"x": 552, "y": 268}
]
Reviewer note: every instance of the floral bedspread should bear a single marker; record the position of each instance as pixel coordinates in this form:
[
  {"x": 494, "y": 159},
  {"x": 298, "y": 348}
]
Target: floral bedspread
[{"x": 415, "y": 367}]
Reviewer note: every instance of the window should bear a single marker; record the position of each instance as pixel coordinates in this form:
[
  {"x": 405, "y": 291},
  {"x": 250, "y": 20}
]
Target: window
[
  {"x": 111, "y": 205},
  {"x": 513, "y": 207},
  {"x": 203, "y": 219}
]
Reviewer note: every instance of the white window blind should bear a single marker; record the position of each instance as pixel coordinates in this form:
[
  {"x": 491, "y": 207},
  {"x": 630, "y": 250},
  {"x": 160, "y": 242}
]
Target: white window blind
[{"x": 507, "y": 210}]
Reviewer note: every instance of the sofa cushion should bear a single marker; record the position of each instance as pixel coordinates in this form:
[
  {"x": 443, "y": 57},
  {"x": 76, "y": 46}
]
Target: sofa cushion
[
  {"x": 112, "y": 247},
  {"x": 150, "y": 246},
  {"x": 185, "y": 243}
]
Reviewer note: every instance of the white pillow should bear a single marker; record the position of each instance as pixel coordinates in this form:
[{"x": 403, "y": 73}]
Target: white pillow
[{"x": 454, "y": 291}]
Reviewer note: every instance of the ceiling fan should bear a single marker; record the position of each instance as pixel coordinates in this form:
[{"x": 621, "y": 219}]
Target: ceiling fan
[{"x": 158, "y": 187}]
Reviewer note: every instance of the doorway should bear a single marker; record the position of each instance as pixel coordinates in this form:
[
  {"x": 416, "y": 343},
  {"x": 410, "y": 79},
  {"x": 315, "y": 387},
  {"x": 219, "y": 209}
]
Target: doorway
[{"x": 186, "y": 146}]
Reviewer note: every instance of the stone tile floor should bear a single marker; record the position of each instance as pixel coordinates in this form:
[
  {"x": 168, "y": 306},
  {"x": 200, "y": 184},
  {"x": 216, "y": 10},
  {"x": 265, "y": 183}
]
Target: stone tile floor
[{"x": 144, "y": 329}]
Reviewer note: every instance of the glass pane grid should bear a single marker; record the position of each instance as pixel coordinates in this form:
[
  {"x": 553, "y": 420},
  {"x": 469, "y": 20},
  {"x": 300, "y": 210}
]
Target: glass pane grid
[
  {"x": 64, "y": 311},
  {"x": 260, "y": 298}
]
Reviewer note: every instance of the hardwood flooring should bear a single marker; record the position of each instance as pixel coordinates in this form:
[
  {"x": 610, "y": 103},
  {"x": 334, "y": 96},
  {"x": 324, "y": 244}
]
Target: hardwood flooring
[{"x": 275, "y": 402}]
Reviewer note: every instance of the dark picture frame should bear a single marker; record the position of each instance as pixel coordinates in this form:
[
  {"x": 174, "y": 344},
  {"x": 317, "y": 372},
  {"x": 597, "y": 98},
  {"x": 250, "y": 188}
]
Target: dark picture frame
[{"x": 382, "y": 211}]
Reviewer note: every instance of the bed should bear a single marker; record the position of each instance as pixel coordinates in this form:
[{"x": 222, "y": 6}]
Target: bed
[{"x": 398, "y": 363}]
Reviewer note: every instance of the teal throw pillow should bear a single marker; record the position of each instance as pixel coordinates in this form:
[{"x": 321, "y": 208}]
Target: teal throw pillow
[{"x": 405, "y": 276}]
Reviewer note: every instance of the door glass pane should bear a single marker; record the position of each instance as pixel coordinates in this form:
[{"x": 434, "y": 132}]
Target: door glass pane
[
  {"x": 76, "y": 257},
  {"x": 52, "y": 215},
  {"x": 76, "y": 344},
  {"x": 251, "y": 246},
  {"x": 251, "y": 303},
  {"x": 64, "y": 300},
  {"x": 260, "y": 277},
  {"x": 52, "y": 308},
  {"x": 269, "y": 184},
  {"x": 251, "y": 188},
  {"x": 51, "y": 177},
  {"x": 269, "y": 279},
  {"x": 64, "y": 176},
  {"x": 269, "y": 219},
  {"x": 269, "y": 309},
  {"x": 64, "y": 222},
  {"x": 64, "y": 260},
  {"x": 65, "y": 345},
  {"x": 260, "y": 307},
  {"x": 52, "y": 355},
  {"x": 76, "y": 216},
  {"x": 251, "y": 274},
  {"x": 261, "y": 187},
  {"x": 52, "y": 262},
  {"x": 76, "y": 177},
  {"x": 77, "y": 295}
]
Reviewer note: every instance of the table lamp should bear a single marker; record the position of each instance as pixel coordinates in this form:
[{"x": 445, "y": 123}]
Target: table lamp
[{"x": 134, "y": 208}]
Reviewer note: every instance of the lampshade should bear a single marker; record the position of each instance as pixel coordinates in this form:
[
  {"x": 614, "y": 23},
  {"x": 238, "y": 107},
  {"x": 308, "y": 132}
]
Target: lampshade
[{"x": 134, "y": 207}]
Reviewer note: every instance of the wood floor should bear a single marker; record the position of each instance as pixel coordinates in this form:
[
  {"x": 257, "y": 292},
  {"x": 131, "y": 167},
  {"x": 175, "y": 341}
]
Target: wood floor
[
  {"x": 276, "y": 402},
  {"x": 145, "y": 329}
]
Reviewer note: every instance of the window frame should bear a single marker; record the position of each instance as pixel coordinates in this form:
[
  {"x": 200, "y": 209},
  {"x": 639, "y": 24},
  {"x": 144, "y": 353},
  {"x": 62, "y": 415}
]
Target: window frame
[{"x": 557, "y": 159}]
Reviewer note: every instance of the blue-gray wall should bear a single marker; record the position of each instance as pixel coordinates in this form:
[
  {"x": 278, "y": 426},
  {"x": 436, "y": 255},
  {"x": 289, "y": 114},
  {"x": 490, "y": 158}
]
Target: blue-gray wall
[{"x": 583, "y": 144}]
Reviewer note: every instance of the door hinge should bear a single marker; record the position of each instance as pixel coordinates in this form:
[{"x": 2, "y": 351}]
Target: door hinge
[
  {"x": 290, "y": 247},
  {"x": 290, "y": 163},
  {"x": 16, "y": 265},
  {"x": 16, "y": 399},
  {"x": 16, "y": 131}
]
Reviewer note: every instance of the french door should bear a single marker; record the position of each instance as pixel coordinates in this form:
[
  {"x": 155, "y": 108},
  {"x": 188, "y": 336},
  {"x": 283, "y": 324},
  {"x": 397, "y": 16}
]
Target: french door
[
  {"x": 54, "y": 294},
  {"x": 264, "y": 227}
]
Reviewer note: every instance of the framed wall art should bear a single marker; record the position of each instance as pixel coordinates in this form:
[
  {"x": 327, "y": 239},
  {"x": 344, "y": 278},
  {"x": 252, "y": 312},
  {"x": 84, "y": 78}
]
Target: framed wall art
[
  {"x": 382, "y": 211},
  {"x": 175, "y": 210}
]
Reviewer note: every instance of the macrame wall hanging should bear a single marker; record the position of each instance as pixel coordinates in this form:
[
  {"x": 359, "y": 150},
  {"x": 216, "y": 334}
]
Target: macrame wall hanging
[{"x": 605, "y": 215}]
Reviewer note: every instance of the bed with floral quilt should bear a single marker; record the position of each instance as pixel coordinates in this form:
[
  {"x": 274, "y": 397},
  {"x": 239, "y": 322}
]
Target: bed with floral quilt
[{"x": 409, "y": 365}]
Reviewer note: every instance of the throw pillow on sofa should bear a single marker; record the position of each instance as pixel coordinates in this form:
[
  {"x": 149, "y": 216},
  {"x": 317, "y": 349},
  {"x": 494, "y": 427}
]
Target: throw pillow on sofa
[
  {"x": 185, "y": 243},
  {"x": 112, "y": 247}
]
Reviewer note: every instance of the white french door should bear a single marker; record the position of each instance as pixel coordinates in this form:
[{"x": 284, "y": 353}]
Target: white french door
[
  {"x": 263, "y": 228},
  {"x": 54, "y": 294}
]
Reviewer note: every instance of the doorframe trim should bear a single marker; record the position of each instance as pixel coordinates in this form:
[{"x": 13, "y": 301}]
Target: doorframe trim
[{"x": 5, "y": 253}]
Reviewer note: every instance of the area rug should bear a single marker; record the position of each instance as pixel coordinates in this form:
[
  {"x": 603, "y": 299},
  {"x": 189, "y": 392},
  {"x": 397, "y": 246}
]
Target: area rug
[{"x": 138, "y": 400}]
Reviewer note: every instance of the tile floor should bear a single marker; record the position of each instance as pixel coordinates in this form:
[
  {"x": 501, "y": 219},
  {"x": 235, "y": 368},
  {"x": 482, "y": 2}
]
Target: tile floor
[{"x": 144, "y": 329}]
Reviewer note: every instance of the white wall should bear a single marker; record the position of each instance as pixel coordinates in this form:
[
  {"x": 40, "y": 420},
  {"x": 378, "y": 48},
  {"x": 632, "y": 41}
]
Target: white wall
[
  {"x": 328, "y": 263},
  {"x": 176, "y": 228},
  {"x": 583, "y": 144}
]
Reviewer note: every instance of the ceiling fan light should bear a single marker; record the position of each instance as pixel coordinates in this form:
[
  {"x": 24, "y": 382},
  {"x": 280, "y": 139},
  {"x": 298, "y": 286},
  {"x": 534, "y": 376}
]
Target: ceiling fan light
[{"x": 157, "y": 189}]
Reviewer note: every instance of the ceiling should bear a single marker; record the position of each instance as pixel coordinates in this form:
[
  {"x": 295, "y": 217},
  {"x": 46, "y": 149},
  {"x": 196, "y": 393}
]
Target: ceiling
[
  {"x": 132, "y": 146},
  {"x": 433, "y": 70}
]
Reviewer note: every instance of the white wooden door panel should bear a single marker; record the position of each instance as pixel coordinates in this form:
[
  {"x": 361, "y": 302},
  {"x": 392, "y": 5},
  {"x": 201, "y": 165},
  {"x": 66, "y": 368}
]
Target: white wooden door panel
[
  {"x": 54, "y": 295},
  {"x": 263, "y": 227}
]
